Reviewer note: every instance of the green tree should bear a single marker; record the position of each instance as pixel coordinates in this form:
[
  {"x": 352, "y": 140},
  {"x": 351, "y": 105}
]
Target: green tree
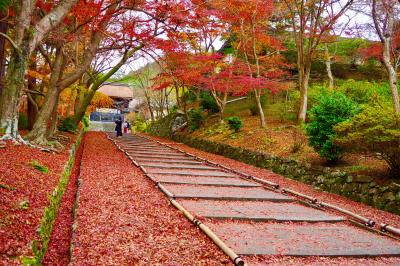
[
  {"x": 331, "y": 109},
  {"x": 375, "y": 130}
]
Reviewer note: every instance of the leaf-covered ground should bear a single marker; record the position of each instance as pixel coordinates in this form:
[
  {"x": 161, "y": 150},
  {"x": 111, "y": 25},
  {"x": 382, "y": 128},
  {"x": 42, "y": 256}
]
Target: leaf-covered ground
[
  {"x": 123, "y": 219},
  {"x": 360, "y": 208},
  {"x": 58, "y": 252},
  {"x": 24, "y": 194}
]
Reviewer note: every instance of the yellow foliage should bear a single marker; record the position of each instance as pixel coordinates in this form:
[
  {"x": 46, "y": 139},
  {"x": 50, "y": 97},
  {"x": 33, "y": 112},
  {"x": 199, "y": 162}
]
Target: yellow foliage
[{"x": 100, "y": 100}]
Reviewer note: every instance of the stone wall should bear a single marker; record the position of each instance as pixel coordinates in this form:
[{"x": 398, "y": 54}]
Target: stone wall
[{"x": 358, "y": 188}]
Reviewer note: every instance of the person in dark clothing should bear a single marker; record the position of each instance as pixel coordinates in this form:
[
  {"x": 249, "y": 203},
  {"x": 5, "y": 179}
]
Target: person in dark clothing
[{"x": 118, "y": 127}]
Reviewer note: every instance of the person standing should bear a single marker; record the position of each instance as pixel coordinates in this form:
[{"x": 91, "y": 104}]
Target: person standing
[
  {"x": 128, "y": 125},
  {"x": 125, "y": 127},
  {"x": 118, "y": 127}
]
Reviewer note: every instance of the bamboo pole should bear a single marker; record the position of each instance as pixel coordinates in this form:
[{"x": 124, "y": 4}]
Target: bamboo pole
[
  {"x": 366, "y": 221},
  {"x": 313, "y": 200},
  {"x": 391, "y": 229},
  {"x": 228, "y": 251}
]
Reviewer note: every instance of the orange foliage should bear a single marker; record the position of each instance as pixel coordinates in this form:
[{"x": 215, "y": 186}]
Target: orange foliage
[{"x": 100, "y": 100}]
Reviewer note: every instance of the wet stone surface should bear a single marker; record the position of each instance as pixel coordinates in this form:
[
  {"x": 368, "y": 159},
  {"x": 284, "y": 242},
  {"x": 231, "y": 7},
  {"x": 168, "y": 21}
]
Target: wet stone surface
[
  {"x": 152, "y": 166},
  {"x": 215, "y": 173},
  {"x": 156, "y": 156},
  {"x": 228, "y": 193},
  {"x": 204, "y": 180},
  {"x": 168, "y": 161},
  {"x": 257, "y": 211},
  {"x": 303, "y": 239},
  {"x": 166, "y": 153}
]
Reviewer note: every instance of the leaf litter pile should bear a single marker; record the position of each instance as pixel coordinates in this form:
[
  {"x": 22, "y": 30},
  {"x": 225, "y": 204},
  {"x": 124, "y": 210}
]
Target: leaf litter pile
[
  {"x": 377, "y": 215},
  {"x": 123, "y": 219},
  {"x": 27, "y": 177}
]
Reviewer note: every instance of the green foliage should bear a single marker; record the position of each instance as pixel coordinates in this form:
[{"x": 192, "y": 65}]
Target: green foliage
[
  {"x": 139, "y": 125},
  {"x": 332, "y": 108},
  {"x": 67, "y": 125},
  {"x": 4, "y": 4},
  {"x": 235, "y": 123},
  {"x": 216, "y": 129},
  {"x": 22, "y": 121},
  {"x": 314, "y": 93},
  {"x": 207, "y": 102},
  {"x": 375, "y": 130},
  {"x": 39, "y": 167},
  {"x": 364, "y": 91},
  {"x": 162, "y": 127},
  {"x": 85, "y": 123},
  {"x": 196, "y": 119}
]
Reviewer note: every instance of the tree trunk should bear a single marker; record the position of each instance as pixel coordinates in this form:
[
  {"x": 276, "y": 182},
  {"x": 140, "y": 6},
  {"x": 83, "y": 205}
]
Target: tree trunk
[
  {"x": 257, "y": 93},
  {"x": 3, "y": 29},
  {"x": 148, "y": 102},
  {"x": 222, "y": 106},
  {"x": 392, "y": 75},
  {"x": 84, "y": 101},
  {"x": 328, "y": 63},
  {"x": 53, "y": 120},
  {"x": 32, "y": 111},
  {"x": 32, "y": 105},
  {"x": 11, "y": 95},
  {"x": 304, "y": 76},
  {"x": 41, "y": 129},
  {"x": 44, "y": 121}
]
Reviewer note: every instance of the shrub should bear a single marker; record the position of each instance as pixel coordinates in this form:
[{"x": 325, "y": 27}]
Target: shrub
[
  {"x": 196, "y": 119},
  {"x": 207, "y": 102},
  {"x": 139, "y": 125},
  {"x": 363, "y": 91},
  {"x": 163, "y": 126},
  {"x": 234, "y": 123},
  {"x": 67, "y": 125},
  {"x": 331, "y": 109},
  {"x": 374, "y": 130}
]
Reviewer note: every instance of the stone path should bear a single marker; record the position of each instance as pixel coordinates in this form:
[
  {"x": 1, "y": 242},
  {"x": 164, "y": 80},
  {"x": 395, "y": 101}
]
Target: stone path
[{"x": 249, "y": 218}]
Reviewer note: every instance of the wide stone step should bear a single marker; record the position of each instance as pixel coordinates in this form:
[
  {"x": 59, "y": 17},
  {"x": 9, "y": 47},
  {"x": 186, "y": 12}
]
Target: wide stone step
[
  {"x": 204, "y": 180},
  {"x": 188, "y": 161},
  {"x": 257, "y": 211},
  {"x": 187, "y": 172},
  {"x": 156, "y": 153},
  {"x": 224, "y": 193},
  {"x": 157, "y": 150},
  {"x": 150, "y": 156},
  {"x": 304, "y": 239},
  {"x": 154, "y": 166}
]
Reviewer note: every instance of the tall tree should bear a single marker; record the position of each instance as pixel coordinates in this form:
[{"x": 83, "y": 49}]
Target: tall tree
[
  {"x": 249, "y": 27},
  {"x": 29, "y": 32},
  {"x": 384, "y": 14},
  {"x": 3, "y": 30},
  {"x": 310, "y": 21},
  {"x": 65, "y": 72}
]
